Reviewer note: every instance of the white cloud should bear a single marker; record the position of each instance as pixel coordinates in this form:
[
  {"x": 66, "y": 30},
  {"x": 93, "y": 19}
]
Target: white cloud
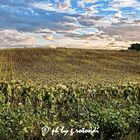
[
  {"x": 46, "y": 6},
  {"x": 91, "y": 10},
  {"x": 82, "y": 3},
  {"x": 125, "y": 3},
  {"x": 59, "y": 6},
  {"x": 13, "y": 37}
]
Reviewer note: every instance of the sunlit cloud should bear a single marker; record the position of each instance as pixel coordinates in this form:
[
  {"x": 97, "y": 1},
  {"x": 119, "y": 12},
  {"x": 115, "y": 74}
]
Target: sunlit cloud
[{"x": 79, "y": 24}]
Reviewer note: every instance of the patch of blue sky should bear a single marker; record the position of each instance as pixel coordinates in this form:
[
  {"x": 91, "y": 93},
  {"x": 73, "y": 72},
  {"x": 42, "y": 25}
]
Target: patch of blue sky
[
  {"x": 101, "y": 2},
  {"x": 86, "y": 30},
  {"x": 106, "y": 13},
  {"x": 127, "y": 9},
  {"x": 74, "y": 3}
]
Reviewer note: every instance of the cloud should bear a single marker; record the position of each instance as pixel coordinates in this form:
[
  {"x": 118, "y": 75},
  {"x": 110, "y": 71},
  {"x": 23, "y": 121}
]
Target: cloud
[
  {"x": 58, "y": 6},
  {"x": 48, "y": 37},
  {"x": 14, "y": 38},
  {"x": 125, "y": 3},
  {"x": 127, "y": 33},
  {"x": 69, "y": 23}
]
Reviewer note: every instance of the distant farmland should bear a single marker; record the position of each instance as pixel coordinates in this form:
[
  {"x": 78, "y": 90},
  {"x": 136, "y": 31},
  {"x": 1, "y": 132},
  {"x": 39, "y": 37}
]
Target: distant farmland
[{"x": 47, "y": 66}]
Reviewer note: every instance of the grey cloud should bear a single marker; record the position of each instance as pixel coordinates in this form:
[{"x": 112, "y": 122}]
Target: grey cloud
[
  {"x": 136, "y": 21},
  {"x": 70, "y": 18},
  {"x": 31, "y": 18},
  {"x": 25, "y": 20},
  {"x": 128, "y": 33},
  {"x": 122, "y": 23},
  {"x": 28, "y": 18},
  {"x": 96, "y": 17},
  {"x": 78, "y": 36}
]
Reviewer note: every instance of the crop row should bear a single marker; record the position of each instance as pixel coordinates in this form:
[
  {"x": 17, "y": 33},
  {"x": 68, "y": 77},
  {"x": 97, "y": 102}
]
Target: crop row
[
  {"x": 49, "y": 66},
  {"x": 25, "y": 108}
]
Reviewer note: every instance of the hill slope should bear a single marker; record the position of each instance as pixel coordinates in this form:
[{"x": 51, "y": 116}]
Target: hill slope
[{"x": 66, "y": 65}]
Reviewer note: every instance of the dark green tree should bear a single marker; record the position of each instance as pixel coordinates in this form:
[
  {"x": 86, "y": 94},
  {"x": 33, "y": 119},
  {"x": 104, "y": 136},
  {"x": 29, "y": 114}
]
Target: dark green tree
[{"x": 135, "y": 46}]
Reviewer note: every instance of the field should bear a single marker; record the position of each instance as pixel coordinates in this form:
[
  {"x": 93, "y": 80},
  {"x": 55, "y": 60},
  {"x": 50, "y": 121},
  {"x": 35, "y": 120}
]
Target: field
[
  {"x": 49, "y": 66},
  {"x": 42, "y": 89},
  {"x": 26, "y": 108}
]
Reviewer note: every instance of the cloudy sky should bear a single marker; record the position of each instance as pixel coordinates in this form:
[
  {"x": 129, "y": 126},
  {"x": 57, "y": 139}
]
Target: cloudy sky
[{"x": 111, "y": 24}]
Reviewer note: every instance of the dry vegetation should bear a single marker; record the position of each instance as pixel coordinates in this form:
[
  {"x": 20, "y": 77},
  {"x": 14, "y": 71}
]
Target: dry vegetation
[{"x": 68, "y": 65}]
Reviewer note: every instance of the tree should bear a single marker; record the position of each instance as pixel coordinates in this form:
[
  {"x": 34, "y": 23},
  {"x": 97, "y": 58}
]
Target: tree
[{"x": 135, "y": 46}]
